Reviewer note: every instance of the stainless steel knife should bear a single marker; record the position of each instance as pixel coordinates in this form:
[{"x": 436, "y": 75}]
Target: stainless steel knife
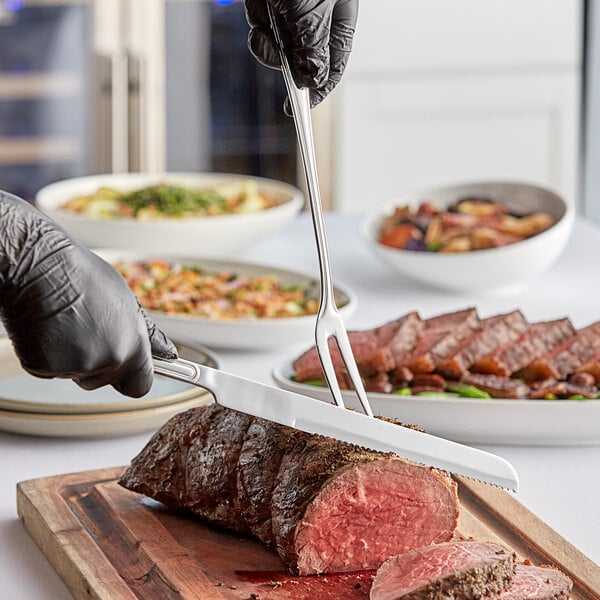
[{"x": 316, "y": 416}]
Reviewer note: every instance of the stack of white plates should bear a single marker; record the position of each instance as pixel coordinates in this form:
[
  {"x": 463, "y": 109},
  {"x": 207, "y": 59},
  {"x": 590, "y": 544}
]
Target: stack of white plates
[{"x": 59, "y": 408}]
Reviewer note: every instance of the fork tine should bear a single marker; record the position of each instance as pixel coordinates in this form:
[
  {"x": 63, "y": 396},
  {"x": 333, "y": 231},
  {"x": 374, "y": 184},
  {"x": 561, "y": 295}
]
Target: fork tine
[
  {"x": 322, "y": 342},
  {"x": 341, "y": 337}
]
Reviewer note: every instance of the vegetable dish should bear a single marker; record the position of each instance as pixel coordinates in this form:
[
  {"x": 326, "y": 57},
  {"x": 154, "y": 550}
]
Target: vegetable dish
[
  {"x": 190, "y": 290},
  {"x": 167, "y": 200},
  {"x": 470, "y": 224}
]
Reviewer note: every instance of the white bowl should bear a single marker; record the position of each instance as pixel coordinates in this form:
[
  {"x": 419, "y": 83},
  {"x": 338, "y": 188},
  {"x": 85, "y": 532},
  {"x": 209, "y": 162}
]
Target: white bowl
[
  {"x": 217, "y": 236},
  {"x": 487, "y": 270},
  {"x": 239, "y": 334}
]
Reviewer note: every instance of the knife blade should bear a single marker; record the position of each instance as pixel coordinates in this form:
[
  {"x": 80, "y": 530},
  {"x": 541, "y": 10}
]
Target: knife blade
[{"x": 315, "y": 416}]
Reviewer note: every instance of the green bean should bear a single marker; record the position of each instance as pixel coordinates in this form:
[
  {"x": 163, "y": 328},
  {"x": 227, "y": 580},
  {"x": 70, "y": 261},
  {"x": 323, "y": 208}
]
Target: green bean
[
  {"x": 405, "y": 391},
  {"x": 439, "y": 394},
  {"x": 467, "y": 391}
]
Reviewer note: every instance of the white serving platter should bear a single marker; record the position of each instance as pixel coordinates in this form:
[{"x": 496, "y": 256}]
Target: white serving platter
[
  {"x": 474, "y": 420},
  {"x": 239, "y": 334}
]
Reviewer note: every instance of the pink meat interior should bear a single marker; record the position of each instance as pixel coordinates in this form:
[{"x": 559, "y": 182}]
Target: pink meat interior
[
  {"x": 372, "y": 511},
  {"x": 415, "y": 570},
  {"x": 536, "y": 583}
]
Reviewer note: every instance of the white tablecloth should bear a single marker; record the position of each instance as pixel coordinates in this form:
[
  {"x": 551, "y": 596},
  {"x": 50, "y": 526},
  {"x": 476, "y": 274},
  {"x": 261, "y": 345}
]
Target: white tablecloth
[{"x": 561, "y": 484}]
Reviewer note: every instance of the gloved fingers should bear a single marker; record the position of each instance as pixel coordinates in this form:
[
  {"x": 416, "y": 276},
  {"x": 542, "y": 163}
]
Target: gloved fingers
[
  {"x": 304, "y": 28},
  {"x": 160, "y": 344},
  {"x": 315, "y": 97},
  {"x": 131, "y": 379},
  {"x": 263, "y": 46},
  {"x": 137, "y": 382},
  {"x": 343, "y": 24}
]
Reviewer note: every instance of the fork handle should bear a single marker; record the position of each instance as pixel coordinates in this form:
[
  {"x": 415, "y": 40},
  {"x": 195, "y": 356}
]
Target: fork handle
[{"x": 300, "y": 101}]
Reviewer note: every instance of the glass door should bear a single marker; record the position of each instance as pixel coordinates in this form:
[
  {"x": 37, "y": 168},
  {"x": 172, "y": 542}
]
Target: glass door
[{"x": 45, "y": 72}]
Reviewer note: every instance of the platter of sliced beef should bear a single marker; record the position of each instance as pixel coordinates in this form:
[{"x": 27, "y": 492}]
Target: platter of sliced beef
[{"x": 500, "y": 378}]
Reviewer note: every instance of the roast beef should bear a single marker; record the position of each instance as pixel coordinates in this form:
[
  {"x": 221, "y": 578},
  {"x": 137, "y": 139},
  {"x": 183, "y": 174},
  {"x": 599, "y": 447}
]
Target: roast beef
[
  {"x": 375, "y": 350},
  {"x": 494, "y": 332},
  {"x": 459, "y": 570},
  {"x": 497, "y": 387},
  {"x": 324, "y": 505},
  {"x": 441, "y": 335},
  {"x": 566, "y": 357},
  {"x": 537, "y": 583},
  {"x": 539, "y": 339}
]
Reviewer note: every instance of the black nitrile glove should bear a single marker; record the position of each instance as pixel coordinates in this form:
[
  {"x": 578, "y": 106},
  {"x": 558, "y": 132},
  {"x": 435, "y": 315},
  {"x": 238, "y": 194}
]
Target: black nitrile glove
[
  {"x": 68, "y": 313},
  {"x": 317, "y": 34}
]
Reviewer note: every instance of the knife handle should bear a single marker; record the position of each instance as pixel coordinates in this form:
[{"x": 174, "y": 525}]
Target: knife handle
[{"x": 185, "y": 370}]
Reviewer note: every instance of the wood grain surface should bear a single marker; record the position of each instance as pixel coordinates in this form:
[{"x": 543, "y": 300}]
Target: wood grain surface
[{"x": 108, "y": 543}]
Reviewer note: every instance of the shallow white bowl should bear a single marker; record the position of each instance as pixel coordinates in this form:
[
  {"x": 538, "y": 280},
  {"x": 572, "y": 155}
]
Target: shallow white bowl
[
  {"x": 240, "y": 334},
  {"x": 493, "y": 269},
  {"x": 217, "y": 236}
]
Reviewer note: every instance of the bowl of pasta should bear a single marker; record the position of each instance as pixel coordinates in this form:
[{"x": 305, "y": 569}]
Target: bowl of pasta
[
  {"x": 225, "y": 303},
  {"x": 205, "y": 214}
]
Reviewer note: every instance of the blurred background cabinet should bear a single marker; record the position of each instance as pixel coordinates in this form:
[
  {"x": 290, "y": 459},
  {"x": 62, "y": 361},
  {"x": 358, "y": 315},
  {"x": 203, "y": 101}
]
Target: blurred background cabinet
[
  {"x": 94, "y": 86},
  {"x": 435, "y": 92},
  {"x": 439, "y": 92}
]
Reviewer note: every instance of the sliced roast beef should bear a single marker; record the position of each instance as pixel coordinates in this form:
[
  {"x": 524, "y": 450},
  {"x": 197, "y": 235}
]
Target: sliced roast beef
[
  {"x": 537, "y": 583},
  {"x": 591, "y": 366},
  {"x": 539, "y": 339},
  {"x": 497, "y": 387},
  {"x": 440, "y": 336},
  {"x": 561, "y": 389},
  {"x": 375, "y": 350},
  {"x": 326, "y": 505},
  {"x": 565, "y": 358},
  {"x": 379, "y": 383},
  {"x": 494, "y": 332},
  {"x": 460, "y": 570},
  {"x": 258, "y": 464}
]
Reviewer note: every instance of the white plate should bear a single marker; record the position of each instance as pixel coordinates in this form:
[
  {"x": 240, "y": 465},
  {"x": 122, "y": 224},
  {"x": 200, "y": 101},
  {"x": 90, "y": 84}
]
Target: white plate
[
  {"x": 98, "y": 425},
  {"x": 241, "y": 334},
  {"x": 23, "y": 393},
  {"x": 472, "y": 420},
  {"x": 218, "y": 236}
]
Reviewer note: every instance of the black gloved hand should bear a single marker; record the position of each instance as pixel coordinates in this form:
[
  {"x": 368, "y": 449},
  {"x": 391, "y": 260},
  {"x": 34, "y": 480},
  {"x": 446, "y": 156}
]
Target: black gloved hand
[
  {"x": 316, "y": 33},
  {"x": 68, "y": 313}
]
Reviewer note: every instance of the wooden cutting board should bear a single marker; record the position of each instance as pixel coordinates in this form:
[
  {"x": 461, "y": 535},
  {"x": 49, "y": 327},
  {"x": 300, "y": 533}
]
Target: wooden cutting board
[{"x": 108, "y": 543}]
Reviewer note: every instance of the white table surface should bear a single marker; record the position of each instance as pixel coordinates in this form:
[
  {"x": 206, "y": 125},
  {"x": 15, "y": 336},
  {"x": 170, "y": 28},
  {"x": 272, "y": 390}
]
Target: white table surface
[{"x": 560, "y": 484}]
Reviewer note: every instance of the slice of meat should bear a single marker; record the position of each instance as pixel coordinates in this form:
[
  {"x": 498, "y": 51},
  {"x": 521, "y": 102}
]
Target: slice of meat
[
  {"x": 539, "y": 339},
  {"x": 264, "y": 445},
  {"x": 562, "y": 389},
  {"x": 337, "y": 507},
  {"x": 378, "y": 383},
  {"x": 537, "y": 583},
  {"x": 440, "y": 336},
  {"x": 460, "y": 570},
  {"x": 494, "y": 332},
  {"x": 566, "y": 357},
  {"x": 374, "y": 350},
  {"x": 591, "y": 366},
  {"x": 497, "y": 387},
  {"x": 326, "y": 505}
]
